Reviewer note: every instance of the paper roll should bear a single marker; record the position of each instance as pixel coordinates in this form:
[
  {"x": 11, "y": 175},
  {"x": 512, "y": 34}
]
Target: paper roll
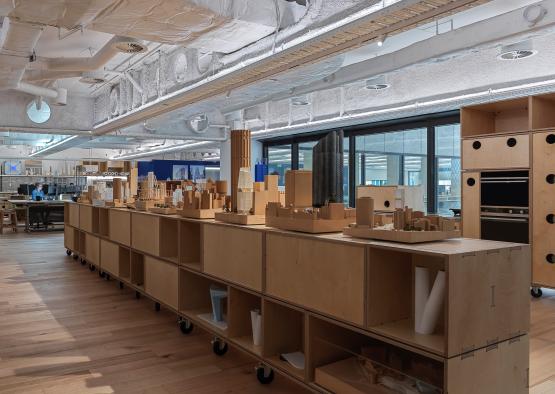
[
  {"x": 256, "y": 321},
  {"x": 421, "y": 292},
  {"x": 433, "y": 306}
]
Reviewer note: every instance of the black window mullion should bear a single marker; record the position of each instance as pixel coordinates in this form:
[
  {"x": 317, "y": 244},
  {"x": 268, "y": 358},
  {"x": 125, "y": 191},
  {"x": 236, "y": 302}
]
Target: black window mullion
[
  {"x": 431, "y": 171},
  {"x": 295, "y": 156},
  {"x": 352, "y": 171}
]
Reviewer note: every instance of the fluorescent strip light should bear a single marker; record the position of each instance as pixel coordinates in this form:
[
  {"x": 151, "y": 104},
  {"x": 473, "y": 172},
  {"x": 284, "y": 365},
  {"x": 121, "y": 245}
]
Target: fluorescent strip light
[{"x": 52, "y": 146}]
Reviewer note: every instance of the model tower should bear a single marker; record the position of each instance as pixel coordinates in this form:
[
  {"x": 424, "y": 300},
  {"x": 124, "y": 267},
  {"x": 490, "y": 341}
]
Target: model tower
[{"x": 240, "y": 158}]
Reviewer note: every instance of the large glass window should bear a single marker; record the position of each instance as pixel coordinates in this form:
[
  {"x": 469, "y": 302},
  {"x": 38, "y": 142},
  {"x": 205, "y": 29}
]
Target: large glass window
[
  {"x": 395, "y": 158},
  {"x": 305, "y": 155},
  {"x": 448, "y": 168},
  {"x": 279, "y": 161}
]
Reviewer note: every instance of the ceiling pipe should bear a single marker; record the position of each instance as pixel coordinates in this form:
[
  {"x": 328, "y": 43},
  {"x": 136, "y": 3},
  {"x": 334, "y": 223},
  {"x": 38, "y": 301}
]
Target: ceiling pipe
[{"x": 58, "y": 94}]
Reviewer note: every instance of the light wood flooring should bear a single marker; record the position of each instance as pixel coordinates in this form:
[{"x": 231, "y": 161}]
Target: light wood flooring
[{"x": 64, "y": 330}]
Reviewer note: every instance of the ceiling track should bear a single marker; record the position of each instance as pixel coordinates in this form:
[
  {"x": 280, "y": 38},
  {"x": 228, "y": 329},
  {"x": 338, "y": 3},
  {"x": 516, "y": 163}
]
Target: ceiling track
[{"x": 389, "y": 21}]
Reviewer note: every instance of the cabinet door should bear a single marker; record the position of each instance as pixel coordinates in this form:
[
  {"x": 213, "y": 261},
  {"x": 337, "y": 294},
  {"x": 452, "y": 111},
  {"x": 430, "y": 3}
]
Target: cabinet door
[
  {"x": 543, "y": 208},
  {"x": 109, "y": 257},
  {"x": 161, "y": 281},
  {"x": 509, "y": 151},
  {"x": 471, "y": 205}
]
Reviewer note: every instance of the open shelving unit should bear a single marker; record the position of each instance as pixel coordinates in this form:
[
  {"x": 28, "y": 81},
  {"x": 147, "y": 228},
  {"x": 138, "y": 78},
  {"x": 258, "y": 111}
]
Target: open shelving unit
[{"x": 328, "y": 297}]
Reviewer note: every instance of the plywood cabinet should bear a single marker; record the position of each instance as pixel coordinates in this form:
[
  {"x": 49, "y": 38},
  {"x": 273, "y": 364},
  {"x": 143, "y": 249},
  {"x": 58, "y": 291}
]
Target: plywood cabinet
[
  {"x": 144, "y": 236},
  {"x": 233, "y": 254},
  {"x": 92, "y": 249},
  {"x": 471, "y": 205},
  {"x": 73, "y": 214},
  {"x": 86, "y": 217},
  {"x": 120, "y": 226},
  {"x": 109, "y": 257},
  {"x": 543, "y": 228},
  {"x": 71, "y": 238},
  {"x": 508, "y": 151},
  {"x": 161, "y": 280},
  {"x": 322, "y": 275}
]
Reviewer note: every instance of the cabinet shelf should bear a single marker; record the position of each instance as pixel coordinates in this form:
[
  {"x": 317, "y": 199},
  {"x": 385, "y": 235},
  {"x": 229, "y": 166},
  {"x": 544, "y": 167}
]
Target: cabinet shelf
[{"x": 403, "y": 331}]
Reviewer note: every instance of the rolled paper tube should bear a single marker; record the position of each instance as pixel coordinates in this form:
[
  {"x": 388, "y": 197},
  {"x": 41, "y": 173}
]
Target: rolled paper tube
[
  {"x": 256, "y": 321},
  {"x": 433, "y": 306},
  {"x": 421, "y": 292}
]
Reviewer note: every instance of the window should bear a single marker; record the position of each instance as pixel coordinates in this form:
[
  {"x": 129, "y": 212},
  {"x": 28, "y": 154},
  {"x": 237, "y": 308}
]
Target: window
[
  {"x": 448, "y": 168},
  {"x": 305, "y": 155},
  {"x": 279, "y": 161},
  {"x": 394, "y": 158}
]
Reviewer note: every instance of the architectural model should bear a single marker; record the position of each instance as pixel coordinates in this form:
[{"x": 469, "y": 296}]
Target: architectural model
[{"x": 203, "y": 201}]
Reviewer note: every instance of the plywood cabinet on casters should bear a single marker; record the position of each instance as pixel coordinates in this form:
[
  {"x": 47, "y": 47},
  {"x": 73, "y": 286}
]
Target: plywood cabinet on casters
[
  {"x": 120, "y": 226},
  {"x": 471, "y": 204},
  {"x": 503, "y": 152},
  {"x": 543, "y": 192},
  {"x": 73, "y": 213}
]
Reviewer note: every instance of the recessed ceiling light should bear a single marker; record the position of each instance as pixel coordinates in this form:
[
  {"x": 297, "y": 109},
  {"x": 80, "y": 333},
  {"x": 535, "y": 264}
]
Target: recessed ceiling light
[
  {"x": 378, "y": 83},
  {"x": 521, "y": 50},
  {"x": 300, "y": 100}
]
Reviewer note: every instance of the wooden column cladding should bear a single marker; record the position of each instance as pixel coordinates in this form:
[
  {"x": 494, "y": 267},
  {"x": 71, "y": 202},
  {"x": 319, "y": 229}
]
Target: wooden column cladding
[{"x": 240, "y": 157}]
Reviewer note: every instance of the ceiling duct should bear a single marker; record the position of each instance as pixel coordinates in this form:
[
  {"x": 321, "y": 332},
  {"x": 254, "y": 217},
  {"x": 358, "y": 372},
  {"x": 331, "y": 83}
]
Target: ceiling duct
[{"x": 93, "y": 77}]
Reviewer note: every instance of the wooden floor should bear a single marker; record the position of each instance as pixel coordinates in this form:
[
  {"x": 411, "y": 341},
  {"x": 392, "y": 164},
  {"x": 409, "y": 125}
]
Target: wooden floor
[{"x": 65, "y": 330}]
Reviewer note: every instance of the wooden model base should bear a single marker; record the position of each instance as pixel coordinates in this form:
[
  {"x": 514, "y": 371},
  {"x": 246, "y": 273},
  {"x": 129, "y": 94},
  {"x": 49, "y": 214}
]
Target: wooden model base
[
  {"x": 198, "y": 213},
  {"x": 347, "y": 376},
  {"x": 312, "y": 226},
  {"x": 239, "y": 218},
  {"x": 409, "y": 237},
  {"x": 163, "y": 211}
]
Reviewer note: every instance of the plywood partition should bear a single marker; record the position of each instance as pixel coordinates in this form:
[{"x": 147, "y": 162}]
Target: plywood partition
[
  {"x": 471, "y": 205},
  {"x": 120, "y": 226},
  {"x": 124, "y": 263},
  {"x": 145, "y": 234},
  {"x": 161, "y": 280},
  {"x": 500, "y": 117},
  {"x": 168, "y": 237},
  {"x": 506, "y": 152},
  {"x": 234, "y": 254},
  {"x": 543, "y": 192},
  {"x": 104, "y": 222},
  {"x": 69, "y": 238},
  {"x": 321, "y": 275},
  {"x": 190, "y": 244},
  {"x": 241, "y": 304},
  {"x": 284, "y": 332}
]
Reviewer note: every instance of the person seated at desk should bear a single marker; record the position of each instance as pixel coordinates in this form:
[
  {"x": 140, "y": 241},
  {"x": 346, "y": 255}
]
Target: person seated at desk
[{"x": 37, "y": 194}]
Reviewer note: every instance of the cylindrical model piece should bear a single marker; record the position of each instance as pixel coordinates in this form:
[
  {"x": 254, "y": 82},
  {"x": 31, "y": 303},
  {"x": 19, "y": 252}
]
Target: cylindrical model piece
[{"x": 221, "y": 187}]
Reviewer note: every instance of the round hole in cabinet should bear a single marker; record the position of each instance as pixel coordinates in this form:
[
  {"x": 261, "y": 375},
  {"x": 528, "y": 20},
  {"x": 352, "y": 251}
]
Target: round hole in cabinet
[
  {"x": 550, "y": 139},
  {"x": 511, "y": 142},
  {"x": 387, "y": 204},
  {"x": 550, "y": 258},
  {"x": 476, "y": 145},
  {"x": 471, "y": 182},
  {"x": 550, "y": 218},
  {"x": 550, "y": 179}
]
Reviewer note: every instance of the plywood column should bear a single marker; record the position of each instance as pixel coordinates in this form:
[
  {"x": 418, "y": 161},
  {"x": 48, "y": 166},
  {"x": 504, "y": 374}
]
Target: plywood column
[{"x": 240, "y": 157}]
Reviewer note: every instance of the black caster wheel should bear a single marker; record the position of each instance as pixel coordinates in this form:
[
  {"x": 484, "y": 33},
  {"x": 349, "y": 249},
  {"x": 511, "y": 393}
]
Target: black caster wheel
[
  {"x": 219, "y": 347},
  {"x": 101, "y": 274},
  {"x": 265, "y": 375},
  {"x": 157, "y": 306},
  {"x": 68, "y": 252},
  {"x": 75, "y": 257},
  {"x": 121, "y": 285},
  {"x": 83, "y": 262},
  {"x": 536, "y": 292},
  {"x": 107, "y": 276},
  {"x": 137, "y": 295},
  {"x": 92, "y": 267},
  {"x": 186, "y": 326}
]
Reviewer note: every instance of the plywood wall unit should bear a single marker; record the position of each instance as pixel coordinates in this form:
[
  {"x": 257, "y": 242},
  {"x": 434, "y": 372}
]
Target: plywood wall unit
[
  {"x": 145, "y": 234},
  {"x": 161, "y": 280},
  {"x": 234, "y": 254},
  {"x": 120, "y": 226},
  {"x": 543, "y": 200},
  {"x": 168, "y": 238},
  {"x": 104, "y": 222},
  {"x": 69, "y": 238},
  {"x": 471, "y": 205},
  {"x": 500, "y": 117},
  {"x": 284, "y": 330},
  {"x": 240, "y": 157},
  {"x": 542, "y": 112},
  {"x": 490, "y": 289},
  {"x": 324, "y": 276},
  {"x": 137, "y": 269}
]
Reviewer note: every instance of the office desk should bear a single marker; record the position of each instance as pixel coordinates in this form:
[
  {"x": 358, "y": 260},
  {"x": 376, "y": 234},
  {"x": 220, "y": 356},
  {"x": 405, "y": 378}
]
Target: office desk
[{"x": 45, "y": 215}]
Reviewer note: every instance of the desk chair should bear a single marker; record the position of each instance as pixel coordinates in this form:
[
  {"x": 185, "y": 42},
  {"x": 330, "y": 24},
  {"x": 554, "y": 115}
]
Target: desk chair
[{"x": 8, "y": 216}]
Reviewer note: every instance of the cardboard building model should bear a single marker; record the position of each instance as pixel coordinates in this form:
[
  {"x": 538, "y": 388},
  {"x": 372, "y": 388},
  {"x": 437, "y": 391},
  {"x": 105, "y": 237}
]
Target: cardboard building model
[
  {"x": 403, "y": 225},
  {"x": 204, "y": 202},
  {"x": 297, "y": 214}
]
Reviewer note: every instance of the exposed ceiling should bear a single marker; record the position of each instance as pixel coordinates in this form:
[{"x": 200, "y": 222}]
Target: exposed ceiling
[{"x": 250, "y": 64}]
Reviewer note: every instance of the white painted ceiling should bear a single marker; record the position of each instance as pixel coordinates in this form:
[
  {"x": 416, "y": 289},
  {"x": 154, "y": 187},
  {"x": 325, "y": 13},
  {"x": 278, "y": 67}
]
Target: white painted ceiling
[{"x": 265, "y": 106}]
